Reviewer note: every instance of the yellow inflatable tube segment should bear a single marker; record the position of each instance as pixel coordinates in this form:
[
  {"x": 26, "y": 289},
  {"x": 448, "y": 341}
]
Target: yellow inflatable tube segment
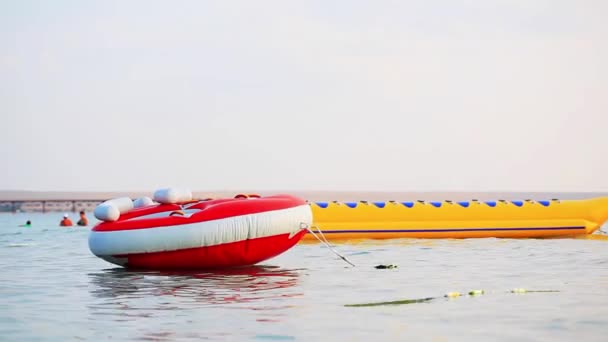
[{"x": 458, "y": 219}]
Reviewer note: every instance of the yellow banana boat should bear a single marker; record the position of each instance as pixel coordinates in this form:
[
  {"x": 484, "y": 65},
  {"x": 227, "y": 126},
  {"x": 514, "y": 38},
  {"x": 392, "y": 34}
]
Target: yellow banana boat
[{"x": 458, "y": 219}]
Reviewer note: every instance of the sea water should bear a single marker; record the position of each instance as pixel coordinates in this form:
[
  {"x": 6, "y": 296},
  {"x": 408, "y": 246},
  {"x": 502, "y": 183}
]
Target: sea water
[{"x": 53, "y": 289}]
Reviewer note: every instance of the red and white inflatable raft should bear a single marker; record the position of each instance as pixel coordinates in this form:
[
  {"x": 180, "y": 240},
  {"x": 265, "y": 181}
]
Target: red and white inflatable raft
[{"x": 185, "y": 234}]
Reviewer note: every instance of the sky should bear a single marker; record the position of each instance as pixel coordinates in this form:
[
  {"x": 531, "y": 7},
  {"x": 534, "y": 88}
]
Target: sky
[{"x": 304, "y": 95}]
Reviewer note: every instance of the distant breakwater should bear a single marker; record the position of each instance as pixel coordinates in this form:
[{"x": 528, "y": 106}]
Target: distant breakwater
[
  {"x": 32, "y": 201},
  {"x": 48, "y": 206}
]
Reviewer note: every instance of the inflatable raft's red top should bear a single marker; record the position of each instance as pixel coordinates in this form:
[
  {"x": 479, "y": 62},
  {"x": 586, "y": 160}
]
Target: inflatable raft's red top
[{"x": 198, "y": 211}]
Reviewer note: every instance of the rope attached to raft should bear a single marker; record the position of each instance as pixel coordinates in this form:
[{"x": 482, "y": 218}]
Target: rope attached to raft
[{"x": 324, "y": 241}]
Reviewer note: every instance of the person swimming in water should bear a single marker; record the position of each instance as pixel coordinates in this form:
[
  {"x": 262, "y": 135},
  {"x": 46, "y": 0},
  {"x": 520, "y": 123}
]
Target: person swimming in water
[
  {"x": 84, "y": 221},
  {"x": 27, "y": 224},
  {"x": 66, "y": 222}
]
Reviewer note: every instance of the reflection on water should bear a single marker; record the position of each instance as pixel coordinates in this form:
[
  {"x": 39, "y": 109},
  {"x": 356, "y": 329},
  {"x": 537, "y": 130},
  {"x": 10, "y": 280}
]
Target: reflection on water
[
  {"x": 598, "y": 236},
  {"x": 161, "y": 305},
  {"x": 212, "y": 288}
]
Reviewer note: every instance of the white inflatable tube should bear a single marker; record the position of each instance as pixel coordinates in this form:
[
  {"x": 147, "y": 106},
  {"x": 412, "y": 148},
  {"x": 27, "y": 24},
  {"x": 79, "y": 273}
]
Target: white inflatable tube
[
  {"x": 142, "y": 202},
  {"x": 124, "y": 204},
  {"x": 106, "y": 212},
  {"x": 110, "y": 210},
  {"x": 172, "y": 195}
]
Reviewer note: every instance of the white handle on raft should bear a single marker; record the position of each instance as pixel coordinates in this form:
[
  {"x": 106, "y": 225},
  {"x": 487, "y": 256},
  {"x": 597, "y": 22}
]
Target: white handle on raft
[
  {"x": 110, "y": 210},
  {"x": 142, "y": 202},
  {"x": 106, "y": 212},
  {"x": 172, "y": 195}
]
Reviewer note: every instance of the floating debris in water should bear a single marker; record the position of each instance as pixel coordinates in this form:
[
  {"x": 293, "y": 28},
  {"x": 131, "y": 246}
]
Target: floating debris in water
[
  {"x": 384, "y": 267},
  {"x": 453, "y": 294},
  {"x": 521, "y": 290},
  {"x": 396, "y": 302}
]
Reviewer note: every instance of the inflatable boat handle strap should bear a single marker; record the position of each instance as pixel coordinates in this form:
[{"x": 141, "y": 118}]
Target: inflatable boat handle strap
[{"x": 324, "y": 241}]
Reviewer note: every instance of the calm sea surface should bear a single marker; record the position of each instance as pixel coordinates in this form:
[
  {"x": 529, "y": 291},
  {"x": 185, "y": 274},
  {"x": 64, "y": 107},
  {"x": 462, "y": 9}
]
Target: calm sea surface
[{"x": 53, "y": 289}]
